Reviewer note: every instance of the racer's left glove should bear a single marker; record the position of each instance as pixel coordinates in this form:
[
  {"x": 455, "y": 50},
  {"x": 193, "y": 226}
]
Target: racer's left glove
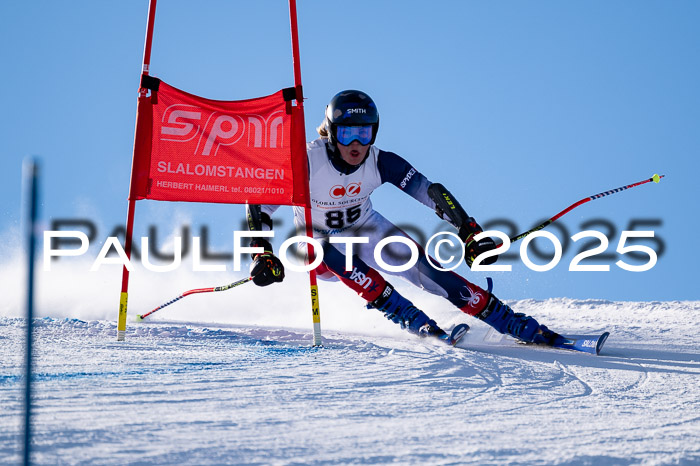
[{"x": 472, "y": 248}]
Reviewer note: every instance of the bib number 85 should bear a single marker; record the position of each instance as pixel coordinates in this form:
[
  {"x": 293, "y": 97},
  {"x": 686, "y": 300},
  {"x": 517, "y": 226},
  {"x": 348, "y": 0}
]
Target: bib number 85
[{"x": 337, "y": 219}]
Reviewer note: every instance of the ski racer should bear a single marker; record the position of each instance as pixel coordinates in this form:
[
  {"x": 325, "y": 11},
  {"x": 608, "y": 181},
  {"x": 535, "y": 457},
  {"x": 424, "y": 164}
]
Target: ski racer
[{"x": 345, "y": 167}]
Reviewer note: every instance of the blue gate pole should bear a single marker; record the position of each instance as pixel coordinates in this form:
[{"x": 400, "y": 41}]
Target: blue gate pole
[{"x": 31, "y": 175}]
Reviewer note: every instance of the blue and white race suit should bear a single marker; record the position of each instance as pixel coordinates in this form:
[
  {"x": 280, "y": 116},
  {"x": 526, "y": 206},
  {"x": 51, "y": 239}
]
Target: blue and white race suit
[{"x": 341, "y": 205}]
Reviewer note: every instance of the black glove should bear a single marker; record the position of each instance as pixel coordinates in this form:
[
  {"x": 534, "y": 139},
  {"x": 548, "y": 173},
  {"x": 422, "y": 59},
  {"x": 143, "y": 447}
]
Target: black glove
[
  {"x": 472, "y": 248},
  {"x": 266, "y": 268}
]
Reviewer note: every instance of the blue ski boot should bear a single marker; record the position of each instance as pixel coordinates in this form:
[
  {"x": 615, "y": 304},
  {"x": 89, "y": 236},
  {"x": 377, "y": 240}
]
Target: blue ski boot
[
  {"x": 401, "y": 311},
  {"x": 502, "y": 318}
]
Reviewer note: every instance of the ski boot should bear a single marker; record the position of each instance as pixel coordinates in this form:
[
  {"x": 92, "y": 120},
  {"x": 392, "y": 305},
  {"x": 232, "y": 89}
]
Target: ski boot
[
  {"x": 401, "y": 311},
  {"x": 523, "y": 327}
]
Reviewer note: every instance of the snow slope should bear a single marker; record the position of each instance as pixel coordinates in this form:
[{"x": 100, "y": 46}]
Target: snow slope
[
  {"x": 200, "y": 393},
  {"x": 230, "y": 378}
]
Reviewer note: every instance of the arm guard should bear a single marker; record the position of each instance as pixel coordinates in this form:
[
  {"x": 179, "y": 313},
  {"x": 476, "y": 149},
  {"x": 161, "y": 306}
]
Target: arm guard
[
  {"x": 448, "y": 208},
  {"x": 257, "y": 219}
]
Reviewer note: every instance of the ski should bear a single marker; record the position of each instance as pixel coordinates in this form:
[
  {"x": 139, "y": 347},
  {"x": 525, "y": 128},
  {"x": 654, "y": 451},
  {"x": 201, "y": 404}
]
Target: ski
[
  {"x": 457, "y": 334},
  {"x": 590, "y": 343},
  {"x": 585, "y": 343}
]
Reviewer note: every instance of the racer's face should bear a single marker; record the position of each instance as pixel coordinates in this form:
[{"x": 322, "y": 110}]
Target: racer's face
[{"x": 354, "y": 153}]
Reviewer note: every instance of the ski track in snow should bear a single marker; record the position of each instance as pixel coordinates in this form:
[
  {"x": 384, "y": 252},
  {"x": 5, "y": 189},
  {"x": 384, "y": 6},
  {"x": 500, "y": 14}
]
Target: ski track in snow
[{"x": 194, "y": 393}]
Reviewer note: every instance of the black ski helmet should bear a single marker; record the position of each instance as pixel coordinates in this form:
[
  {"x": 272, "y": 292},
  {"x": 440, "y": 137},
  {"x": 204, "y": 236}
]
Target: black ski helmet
[{"x": 351, "y": 108}]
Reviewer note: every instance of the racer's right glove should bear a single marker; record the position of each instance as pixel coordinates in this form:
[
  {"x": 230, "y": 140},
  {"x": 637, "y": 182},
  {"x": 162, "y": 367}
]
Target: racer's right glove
[{"x": 266, "y": 268}]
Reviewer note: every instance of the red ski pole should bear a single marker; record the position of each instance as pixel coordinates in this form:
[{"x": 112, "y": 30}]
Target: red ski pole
[
  {"x": 140, "y": 317},
  {"x": 655, "y": 179}
]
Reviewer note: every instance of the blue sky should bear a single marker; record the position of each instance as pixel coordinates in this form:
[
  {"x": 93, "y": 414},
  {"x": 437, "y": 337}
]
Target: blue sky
[{"x": 519, "y": 108}]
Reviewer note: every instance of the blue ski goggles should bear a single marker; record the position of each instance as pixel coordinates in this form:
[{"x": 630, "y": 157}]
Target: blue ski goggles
[{"x": 347, "y": 134}]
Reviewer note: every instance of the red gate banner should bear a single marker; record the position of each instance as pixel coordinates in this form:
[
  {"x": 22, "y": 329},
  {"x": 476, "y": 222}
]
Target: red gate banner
[{"x": 199, "y": 150}]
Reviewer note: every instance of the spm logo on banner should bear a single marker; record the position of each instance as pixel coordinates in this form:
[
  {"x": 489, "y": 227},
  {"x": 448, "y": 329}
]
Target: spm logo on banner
[{"x": 183, "y": 123}]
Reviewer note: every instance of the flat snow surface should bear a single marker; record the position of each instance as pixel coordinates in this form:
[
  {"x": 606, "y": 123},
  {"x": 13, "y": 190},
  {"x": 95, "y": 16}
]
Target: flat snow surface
[{"x": 199, "y": 393}]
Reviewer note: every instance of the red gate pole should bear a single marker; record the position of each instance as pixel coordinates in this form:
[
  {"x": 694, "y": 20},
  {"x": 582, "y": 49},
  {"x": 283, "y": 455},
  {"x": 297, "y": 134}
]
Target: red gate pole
[
  {"x": 121, "y": 323},
  {"x": 315, "y": 308}
]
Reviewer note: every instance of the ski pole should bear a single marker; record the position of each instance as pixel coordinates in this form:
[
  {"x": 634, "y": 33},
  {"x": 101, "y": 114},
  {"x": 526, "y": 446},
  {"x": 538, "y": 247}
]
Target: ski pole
[
  {"x": 140, "y": 317},
  {"x": 656, "y": 178}
]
